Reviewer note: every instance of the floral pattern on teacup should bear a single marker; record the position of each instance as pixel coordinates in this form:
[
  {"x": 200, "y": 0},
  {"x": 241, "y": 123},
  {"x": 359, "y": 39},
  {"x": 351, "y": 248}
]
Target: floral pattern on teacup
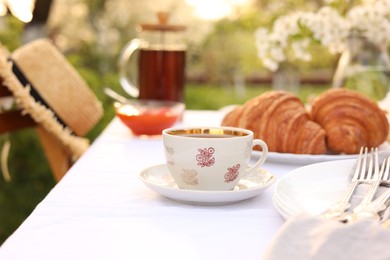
[
  {"x": 169, "y": 155},
  {"x": 232, "y": 173},
  {"x": 205, "y": 157},
  {"x": 189, "y": 177}
]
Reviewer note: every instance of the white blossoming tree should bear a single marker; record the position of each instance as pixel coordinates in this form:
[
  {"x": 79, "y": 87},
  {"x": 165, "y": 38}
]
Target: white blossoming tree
[{"x": 290, "y": 37}]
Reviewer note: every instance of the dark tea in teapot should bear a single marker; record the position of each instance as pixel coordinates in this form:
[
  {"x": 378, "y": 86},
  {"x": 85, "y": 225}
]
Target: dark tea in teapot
[
  {"x": 161, "y": 74},
  {"x": 161, "y": 62}
]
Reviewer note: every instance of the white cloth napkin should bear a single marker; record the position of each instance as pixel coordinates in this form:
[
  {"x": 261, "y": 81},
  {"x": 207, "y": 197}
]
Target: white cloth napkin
[
  {"x": 306, "y": 237},
  {"x": 311, "y": 237}
]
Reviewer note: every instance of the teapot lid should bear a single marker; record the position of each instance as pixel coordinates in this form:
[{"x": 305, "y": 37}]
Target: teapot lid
[{"x": 162, "y": 24}]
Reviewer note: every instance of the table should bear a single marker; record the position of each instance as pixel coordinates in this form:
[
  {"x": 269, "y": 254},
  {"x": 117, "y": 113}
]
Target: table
[{"x": 101, "y": 210}]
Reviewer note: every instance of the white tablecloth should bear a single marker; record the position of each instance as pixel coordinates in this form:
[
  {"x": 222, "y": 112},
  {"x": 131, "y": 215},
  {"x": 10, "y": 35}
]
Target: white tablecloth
[{"x": 101, "y": 210}]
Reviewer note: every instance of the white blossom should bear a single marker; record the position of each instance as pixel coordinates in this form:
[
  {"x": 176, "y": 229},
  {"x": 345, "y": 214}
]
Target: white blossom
[{"x": 326, "y": 26}]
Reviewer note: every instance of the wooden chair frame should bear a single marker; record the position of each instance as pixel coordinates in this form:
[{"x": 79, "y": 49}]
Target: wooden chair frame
[{"x": 57, "y": 155}]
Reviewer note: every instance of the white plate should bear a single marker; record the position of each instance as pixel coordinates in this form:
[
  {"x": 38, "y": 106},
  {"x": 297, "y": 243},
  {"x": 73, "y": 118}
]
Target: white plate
[
  {"x": 305, "y": 159},
  {"x": 312, "y": 188},
  {"x": 158, "y": 179}
]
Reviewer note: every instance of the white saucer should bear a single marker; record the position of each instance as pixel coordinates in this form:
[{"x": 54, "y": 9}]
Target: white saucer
[{"x": 158, "y": 179}]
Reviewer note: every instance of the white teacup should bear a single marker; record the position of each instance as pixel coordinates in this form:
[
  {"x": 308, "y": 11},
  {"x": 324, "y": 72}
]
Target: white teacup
[{"x": 210, "y": 158}]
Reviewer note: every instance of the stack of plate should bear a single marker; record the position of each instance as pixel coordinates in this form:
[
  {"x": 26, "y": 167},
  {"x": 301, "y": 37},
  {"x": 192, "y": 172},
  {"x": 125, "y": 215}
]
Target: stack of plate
[{"x": 312, "y": 188}]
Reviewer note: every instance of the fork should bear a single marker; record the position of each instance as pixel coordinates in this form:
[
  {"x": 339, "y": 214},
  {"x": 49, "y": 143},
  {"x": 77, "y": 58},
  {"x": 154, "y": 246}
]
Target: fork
[
  {"x": 372, "y": 208},
  {"x": 337, "y": 209}
]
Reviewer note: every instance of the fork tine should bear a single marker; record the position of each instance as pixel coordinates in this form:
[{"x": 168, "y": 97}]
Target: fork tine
[
  {"x": 362, "y": 174},
  {"x": 369, "y": 207},
  {"x": 376, "y": 170},
  {"x": 369, "y": 172},
  {"x": 384, "y": 167},
  {"x": 375, "y": 184},
  {"x": 385, "y": 175},
  {"x": 358, "y": 165}
]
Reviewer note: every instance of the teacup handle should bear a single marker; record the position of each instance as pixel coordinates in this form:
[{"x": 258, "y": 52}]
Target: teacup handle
[
  {"x": 263, "y": 156},
  {"x": 124, "y": 57}
]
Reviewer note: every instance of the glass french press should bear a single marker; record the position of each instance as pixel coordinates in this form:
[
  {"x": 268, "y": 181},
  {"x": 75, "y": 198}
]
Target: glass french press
[{"x": 161, "y": 62}]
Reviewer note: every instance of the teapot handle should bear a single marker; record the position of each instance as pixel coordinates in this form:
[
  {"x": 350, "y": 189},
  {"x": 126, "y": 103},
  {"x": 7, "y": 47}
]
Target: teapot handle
[{"x": 127, "y": 84}]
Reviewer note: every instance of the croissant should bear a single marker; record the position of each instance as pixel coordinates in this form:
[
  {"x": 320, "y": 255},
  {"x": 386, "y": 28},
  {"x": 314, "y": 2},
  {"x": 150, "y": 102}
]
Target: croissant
[
  {"x": 280, "y": 119},
  {"x": 350, "y": 119}
]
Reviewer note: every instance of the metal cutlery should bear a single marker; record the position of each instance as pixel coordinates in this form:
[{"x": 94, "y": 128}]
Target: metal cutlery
[
  {"x": 337, "y": 210},
  {"x": 380, "y": 203},
  {"x": 377, "y": 177},
  {"x": 369, "y": 207}
]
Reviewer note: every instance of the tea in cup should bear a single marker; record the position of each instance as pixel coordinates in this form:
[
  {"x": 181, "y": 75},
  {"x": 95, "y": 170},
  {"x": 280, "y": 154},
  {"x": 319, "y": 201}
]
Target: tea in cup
[{"x": 210, "y": 158}]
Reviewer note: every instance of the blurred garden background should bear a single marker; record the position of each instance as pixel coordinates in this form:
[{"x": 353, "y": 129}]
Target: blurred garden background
[{"x": 222, "y": 67}]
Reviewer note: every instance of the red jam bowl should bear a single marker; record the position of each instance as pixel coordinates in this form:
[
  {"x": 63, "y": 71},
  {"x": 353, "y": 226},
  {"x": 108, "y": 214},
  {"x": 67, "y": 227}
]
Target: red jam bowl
[{"x": 149, "y": 117}]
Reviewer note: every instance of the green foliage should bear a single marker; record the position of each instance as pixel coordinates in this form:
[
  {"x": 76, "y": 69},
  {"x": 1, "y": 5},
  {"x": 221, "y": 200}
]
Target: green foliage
[
  {"x": 203, "y": 97},
  {"x": 230, "y": 50},
  {"x": 31, "y": 181},
  {"x": 344, "y": 5},
  {"x": 10, "y": 38},
  {"x": 213, "y": 97}
]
